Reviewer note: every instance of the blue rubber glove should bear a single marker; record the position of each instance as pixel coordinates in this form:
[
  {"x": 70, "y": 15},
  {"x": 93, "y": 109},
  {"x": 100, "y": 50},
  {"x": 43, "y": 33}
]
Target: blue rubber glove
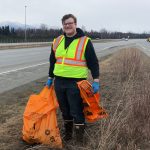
[
  {"x": 96, "y": 87},
  {"x": 49, "y": 82}
]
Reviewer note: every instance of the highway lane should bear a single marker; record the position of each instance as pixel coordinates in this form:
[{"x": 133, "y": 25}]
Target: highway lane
[
  {"x": 21, "y": 66},
  {"x": 20, "y": 58}
]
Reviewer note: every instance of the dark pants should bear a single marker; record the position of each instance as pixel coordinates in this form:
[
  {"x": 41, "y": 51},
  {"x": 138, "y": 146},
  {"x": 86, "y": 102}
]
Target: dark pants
[{"x": 69, "y": 99}]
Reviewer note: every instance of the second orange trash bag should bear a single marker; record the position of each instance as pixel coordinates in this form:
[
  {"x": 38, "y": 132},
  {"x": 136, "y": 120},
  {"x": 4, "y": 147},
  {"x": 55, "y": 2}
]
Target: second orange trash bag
[
  {"x": 40, "y": 122},
  {"x": 92, "y": 110}
]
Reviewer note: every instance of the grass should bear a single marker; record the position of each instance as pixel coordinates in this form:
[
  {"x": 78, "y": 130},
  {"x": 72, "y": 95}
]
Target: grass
[
  {"x": 128, "y": 126},
  {"x": 125, "y": 94}
]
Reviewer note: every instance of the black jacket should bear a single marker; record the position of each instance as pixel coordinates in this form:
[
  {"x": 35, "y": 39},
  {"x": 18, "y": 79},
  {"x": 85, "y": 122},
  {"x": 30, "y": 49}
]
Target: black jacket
[{"x": 90, "y": 56}]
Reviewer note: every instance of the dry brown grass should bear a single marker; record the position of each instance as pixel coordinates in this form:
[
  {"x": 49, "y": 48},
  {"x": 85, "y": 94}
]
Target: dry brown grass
[
  {"x": 128, "y": 126},
  {"x": 125, "y": 82}
]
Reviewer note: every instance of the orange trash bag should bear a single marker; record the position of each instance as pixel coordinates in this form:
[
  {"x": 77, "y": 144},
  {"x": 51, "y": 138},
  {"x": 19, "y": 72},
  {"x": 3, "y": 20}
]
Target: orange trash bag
[
  {"x": 40, "y": 121},
  {"x": 92, "y": 110}
]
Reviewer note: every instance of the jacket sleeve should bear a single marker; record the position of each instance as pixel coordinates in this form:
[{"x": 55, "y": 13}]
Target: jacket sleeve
[
  {"x": 52, "y": 61},
  {"x": 91, "y": 59}
]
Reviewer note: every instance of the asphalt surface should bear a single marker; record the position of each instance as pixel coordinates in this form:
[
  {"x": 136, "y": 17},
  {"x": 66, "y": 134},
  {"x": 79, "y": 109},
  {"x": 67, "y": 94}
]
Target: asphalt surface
[{"x": 21, "y": 66}]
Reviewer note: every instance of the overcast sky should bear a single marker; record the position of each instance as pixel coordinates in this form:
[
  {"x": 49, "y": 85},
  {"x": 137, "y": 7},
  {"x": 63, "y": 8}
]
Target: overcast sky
[{"x": 113, "y": 15}]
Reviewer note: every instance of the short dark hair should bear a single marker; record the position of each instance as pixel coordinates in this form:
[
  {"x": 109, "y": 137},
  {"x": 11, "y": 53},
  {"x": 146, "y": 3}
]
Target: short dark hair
[{"x": 67, "y": 16}]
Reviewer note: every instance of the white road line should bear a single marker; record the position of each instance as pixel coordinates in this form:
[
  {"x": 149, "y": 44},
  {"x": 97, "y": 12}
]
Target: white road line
[
  {"x": 106, "y": 48},
  {"x": 114, "y": 46},
  {"x": 15, "y": 70}
]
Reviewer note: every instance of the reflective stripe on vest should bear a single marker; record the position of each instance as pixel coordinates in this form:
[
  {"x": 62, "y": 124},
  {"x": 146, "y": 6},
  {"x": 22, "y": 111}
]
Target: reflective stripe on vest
[
  {"x": 80, "y": 48},
  {"x": 77, "y": 60},
  {"x": 72, "y": 62},
  {"x": 56, "y": 42}
]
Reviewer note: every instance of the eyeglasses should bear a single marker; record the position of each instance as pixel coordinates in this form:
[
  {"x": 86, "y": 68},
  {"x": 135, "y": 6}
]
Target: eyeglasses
[{"x": 69, "y": 23}]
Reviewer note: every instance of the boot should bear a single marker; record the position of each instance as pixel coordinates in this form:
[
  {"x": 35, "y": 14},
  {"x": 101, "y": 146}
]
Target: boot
[
  {"x": 68, "y": 125},
  {"x": 79, "y": 133}
]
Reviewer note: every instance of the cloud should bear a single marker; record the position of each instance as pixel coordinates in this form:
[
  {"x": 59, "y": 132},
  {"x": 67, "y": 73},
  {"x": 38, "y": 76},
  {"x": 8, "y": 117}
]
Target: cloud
[{"x": 122, "y": 15}]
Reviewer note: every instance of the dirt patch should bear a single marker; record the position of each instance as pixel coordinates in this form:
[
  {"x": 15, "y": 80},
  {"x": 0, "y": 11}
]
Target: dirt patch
[{"x": 103, "y": 135}]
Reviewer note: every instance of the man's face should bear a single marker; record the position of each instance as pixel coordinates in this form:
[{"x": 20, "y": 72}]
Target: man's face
[{"x": 69, "y": 26}]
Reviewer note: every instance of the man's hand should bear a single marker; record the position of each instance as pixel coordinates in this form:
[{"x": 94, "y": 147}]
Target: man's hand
[
  {"x": 49, "y": 82},
  {"x": 95, "y": 86}
]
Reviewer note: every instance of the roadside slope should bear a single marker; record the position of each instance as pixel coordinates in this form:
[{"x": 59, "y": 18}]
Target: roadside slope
[{"x": 122, "y": 76}]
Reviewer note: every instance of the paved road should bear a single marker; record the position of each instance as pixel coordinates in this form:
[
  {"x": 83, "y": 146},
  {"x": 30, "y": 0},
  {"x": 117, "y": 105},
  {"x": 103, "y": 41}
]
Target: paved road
[{"x": 21, "y": 66}]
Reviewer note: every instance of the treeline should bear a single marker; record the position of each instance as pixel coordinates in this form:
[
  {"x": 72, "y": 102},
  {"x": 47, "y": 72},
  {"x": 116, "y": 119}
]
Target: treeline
[
  {"x": 8, "y": 34},
  {"x": 116, "y": 35},
  {"x": 6, "y": 31}
]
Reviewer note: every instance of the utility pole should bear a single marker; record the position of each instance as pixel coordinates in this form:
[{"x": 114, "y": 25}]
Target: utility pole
[{"x": 25, "y": 34}]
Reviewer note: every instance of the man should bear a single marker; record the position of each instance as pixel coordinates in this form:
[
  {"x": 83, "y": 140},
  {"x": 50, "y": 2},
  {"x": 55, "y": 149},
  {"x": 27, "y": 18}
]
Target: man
[{"x": 71, "y": 56}]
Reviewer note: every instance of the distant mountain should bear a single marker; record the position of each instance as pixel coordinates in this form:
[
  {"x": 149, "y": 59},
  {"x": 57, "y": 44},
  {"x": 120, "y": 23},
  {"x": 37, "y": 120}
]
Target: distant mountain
[{"x": 15, "y": 25}]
